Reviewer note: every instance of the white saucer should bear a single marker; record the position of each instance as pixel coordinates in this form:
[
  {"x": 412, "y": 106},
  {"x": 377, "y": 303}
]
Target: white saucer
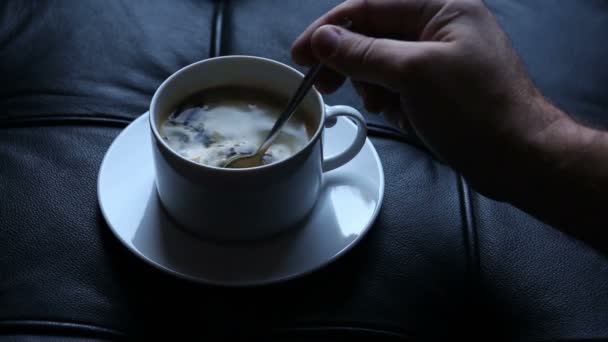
[{"x": 349, "y": 203}]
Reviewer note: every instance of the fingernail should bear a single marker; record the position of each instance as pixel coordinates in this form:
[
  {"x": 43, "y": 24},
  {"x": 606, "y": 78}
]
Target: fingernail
[{"x": 327, "y": 40}]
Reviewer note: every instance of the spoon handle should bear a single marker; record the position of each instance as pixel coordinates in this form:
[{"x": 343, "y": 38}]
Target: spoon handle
[{"x": 295, "y": 100}]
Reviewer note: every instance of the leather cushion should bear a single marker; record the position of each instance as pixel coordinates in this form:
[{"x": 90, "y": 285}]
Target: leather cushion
[
  {"x": 561, "y": 42},
  {"x": 440, "y": 262},
  {"x": 86, "y": 59},
  {"x": 63, "y": 265},
  {"x": 535, "y": 282}
]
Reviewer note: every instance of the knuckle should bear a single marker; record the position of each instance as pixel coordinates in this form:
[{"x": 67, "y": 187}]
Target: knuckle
[
  {"x": 367, "y": 47},
  {"x": 361, "y": 51}
]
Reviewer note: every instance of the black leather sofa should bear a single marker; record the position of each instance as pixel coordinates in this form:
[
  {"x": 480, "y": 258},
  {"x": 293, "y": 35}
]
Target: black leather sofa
[{"x": 441, "y": 262}]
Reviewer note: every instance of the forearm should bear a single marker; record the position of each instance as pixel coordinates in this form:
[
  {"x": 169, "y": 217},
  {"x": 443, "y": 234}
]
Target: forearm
[{"x": 561, "y": 177}]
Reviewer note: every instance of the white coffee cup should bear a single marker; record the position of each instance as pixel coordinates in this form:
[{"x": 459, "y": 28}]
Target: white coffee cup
[{"x": 251, "y": 203}]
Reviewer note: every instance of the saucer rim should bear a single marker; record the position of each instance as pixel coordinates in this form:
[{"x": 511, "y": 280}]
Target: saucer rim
[{"x": 246, "y": 283}]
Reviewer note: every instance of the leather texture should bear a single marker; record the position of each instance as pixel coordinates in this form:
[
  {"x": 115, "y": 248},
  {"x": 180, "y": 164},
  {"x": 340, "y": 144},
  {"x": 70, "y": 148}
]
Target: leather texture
[
  {"x": 535, "y": 282},
  {"x": 34, "y": 338},
  {"x": 562, "y": 45},
  {"x": 441, "y": 261},
  {"x": 86, "y": 59}
]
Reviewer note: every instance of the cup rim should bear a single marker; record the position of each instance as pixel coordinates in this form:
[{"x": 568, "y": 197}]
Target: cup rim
[{"x": 205, "y": 167}]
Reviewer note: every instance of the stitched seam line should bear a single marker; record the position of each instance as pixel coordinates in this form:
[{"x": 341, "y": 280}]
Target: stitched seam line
[
  {"x": 470, "y": 234},
  {"x": 14, "y": 118},
  {"x": 315, "y": 330},
  {"x": 217, "y": 28},
  {"x": 40, "y": 327},
  {"x": 387, "y": 127},
  {"x": 383, "y": 132},
  {"x": 116, "y": 121},
  {"x": 65, "y": 120}
]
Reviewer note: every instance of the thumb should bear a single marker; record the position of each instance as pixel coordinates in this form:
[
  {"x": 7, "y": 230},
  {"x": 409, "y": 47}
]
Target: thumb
[{"x": 380, "y": 61}]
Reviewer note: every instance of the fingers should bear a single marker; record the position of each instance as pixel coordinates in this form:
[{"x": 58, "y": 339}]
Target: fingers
[
  {"x": 383, "y": 62},
  {"x": 403, "y": 19},
  {"x": 328, "y": 81},
  {"x": 300, "y": 50},
  {"x": 375, "y": 98},
  {"x": 378, "y": 100}
]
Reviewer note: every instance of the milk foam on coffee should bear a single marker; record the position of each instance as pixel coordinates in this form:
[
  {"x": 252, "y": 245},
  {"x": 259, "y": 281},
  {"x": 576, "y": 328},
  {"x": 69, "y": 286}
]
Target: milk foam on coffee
[{"x": 219, "y": 123}]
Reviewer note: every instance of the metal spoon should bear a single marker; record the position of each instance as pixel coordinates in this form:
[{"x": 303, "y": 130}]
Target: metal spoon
[{"x": 255, "y": 159}]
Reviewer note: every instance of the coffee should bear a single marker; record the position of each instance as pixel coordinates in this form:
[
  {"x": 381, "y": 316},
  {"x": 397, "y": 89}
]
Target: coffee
[{"x": 218, "y": 123}]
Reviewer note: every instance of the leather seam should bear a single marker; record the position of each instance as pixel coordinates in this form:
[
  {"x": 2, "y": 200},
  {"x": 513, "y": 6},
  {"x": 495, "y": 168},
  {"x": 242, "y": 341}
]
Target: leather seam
[
  {"x": 47, "y": 120},
  {"x": 470, "y": 234},
  {"x": 117, "y": 121},
  {"x": 312, "y": 330},
  {"x": 14, "y": 117},
  {"x": 217, "y": 28},
  {"x": 56, "y": 327},
  {"x": 388, "y": 128},
  {"x": 393, "y": 134}
]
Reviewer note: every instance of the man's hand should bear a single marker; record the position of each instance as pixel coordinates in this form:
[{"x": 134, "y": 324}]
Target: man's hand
[
  {"x": 449, "y": 72},
  {"x": 447, "y": 66}
]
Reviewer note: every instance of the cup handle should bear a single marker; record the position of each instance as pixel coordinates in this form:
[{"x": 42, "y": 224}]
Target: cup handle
[{"x": 331, "y": 115}]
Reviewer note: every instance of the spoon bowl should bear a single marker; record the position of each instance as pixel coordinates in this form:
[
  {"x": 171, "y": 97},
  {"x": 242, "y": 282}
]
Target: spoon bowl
[{"x": 241, "y": 161}]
